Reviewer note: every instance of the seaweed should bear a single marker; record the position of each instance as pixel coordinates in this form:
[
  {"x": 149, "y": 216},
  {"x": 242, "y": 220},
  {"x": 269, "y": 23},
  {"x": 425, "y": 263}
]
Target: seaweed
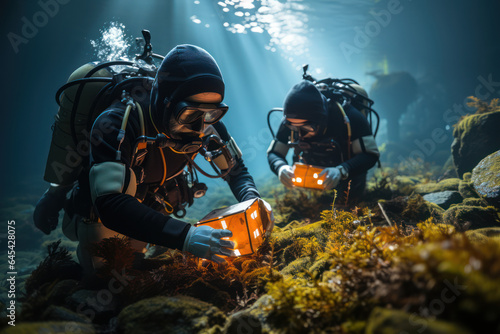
[
  {"x": 58, "y": 265},
  {"x": 117, "y": 254},
  {"x": 386, "y": 266},
  {"x": 483, "y": 107}
]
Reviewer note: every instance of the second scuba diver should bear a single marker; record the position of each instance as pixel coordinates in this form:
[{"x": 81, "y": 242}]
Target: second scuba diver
[{"x": 323, "y": 134}]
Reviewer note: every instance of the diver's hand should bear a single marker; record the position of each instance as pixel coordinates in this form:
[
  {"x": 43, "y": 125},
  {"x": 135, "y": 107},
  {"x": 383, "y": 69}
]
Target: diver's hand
[
  {"x": 332, "y": 177},
  {"x": 46, "y": 214},
  {"x": 206, "y": 242},
  {"x": 285, "y": 174}
]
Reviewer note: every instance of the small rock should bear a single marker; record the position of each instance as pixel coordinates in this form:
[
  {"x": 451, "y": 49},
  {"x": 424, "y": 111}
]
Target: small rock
[
  {"x": 475, "y": 202},
  {"x": 98, "y": 306},
  {"x": 178, "y": 314},
  {"x": 50, "y": 327},
  {"x": 466, "y": 189},
  {"x": 394, "y": 321},
  {"x": 444, "y": 198},
  {"x": 484, "y": 234},
  {"x": 472, "y": 216},
  {"x": 62, "y": 290},
  {"x": 243, "y": 322},
  {"x": 59, "y": 313},
  {"x": 486, "y": 178}
]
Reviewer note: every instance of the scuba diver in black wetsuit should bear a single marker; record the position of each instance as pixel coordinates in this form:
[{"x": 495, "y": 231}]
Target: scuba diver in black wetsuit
[
  {"x": 138, "y": 152},
  {"x": 324, "y": 133}
]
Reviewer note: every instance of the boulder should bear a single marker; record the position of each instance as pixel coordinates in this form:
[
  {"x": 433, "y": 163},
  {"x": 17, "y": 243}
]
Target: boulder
[
  {"x": 434, "y": 187},
  {"x": 476, "y": 136},
  {"x": 471, "y": 217},
  {"x": 389, "y": 321},
  {"x": 486, "y": 178},
  {"x": 444, "y": 198},
  {"x": 179, "y": 314}
]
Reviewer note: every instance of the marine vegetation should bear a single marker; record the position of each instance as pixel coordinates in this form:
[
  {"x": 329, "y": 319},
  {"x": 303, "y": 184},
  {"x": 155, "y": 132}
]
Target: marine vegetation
[{"x": 329, "y": 276}]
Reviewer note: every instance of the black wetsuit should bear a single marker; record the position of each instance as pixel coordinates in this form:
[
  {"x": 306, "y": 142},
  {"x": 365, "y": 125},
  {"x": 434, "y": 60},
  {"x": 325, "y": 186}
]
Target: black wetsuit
[
  {"x": 325, "y": 153},
  {"x": 126, "y": 214}
]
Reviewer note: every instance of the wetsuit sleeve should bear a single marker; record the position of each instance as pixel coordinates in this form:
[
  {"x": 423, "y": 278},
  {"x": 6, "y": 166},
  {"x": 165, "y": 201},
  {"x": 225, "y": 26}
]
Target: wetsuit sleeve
[
  {"x": 239, "y": 179},
  {"x": 121, "y": 212},
  {"x": 364, "y": 149},
  {"x": 277, "y": 151}
]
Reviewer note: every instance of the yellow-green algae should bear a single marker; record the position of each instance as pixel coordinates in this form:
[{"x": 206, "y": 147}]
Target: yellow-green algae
[
  {"x": 329, "y": 275},
  {"x": 433, "y": 187},
  {"x": 53, "y": 327},
  {"x": 381, "y": 266}
]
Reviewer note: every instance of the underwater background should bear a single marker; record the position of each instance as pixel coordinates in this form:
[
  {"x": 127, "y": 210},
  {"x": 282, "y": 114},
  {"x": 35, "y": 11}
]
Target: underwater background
[{"x": 446, "y": 50}]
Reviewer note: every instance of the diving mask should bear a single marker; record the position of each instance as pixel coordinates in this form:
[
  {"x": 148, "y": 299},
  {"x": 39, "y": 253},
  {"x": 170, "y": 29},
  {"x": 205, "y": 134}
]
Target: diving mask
[
  {"x": 190, "y": 112},
  {"x": 307, "y": 127}
]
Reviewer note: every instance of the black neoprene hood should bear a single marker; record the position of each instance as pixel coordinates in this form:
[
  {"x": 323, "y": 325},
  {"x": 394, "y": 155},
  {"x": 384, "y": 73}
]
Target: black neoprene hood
[
  {"x": 185, "y": 71},
  {"x": 305, "y": 101}
]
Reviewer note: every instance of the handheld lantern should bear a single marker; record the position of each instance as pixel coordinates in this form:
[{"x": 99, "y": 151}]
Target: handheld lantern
[
  {"x": 249, "y": 221},
  {"x": 307, "y": 176}
]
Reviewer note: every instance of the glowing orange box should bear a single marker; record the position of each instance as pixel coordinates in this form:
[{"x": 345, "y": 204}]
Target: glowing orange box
[
  {"x": 247, "y": 221},
  {"x": 307, "y": 176}
]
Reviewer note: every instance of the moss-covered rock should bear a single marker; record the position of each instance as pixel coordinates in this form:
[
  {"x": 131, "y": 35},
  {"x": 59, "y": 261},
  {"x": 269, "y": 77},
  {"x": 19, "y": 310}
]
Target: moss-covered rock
[
  {"x": 434, "y": 187},
  {"x": 387, "y": 321},
  {"x": 484, "y": 234},
  {"x": 476, "y": 136},
  {"x": 412, "y": 209},
  {"x": 243, "y": 322},
  {"x": 475, "y": 202},
  {"x": 178, "y": 314},
  {"x": 472, "y": 217},
  {"x": 53, "y": 327},
  {"x": 100, "y": 305},
  {"x": 444, "y": 198},
  {"x": 486, "y": 178},
  {"x": 465, "y": 187},
  {"x": 59, "y": 313}
]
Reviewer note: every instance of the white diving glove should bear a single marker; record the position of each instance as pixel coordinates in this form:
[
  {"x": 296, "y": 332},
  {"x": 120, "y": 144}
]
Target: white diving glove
[
  {"x": 332, "y": 178},
  {"x": 285, "y": 174},
  {"x": 206, "y": 242}
]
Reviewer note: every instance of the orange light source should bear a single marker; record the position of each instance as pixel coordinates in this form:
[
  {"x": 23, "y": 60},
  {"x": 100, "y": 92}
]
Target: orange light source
[
  {"x": 249, "y": 221},
  {"x": 307, "y": 176}
]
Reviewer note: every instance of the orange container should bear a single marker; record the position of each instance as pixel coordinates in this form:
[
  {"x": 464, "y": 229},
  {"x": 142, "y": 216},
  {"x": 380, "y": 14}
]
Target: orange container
[
  {"x": 307, "y": 176},
  {"x": 248, "y": 221}
]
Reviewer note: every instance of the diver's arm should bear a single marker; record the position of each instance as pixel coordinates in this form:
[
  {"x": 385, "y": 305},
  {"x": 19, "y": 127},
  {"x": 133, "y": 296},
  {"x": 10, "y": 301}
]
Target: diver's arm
[
  {"x": 277, "y": 151},
  {"x": 113, "y": 184},
  {"x": 124, "y": 214},
  {"x": 239, "y": 179},
  {"x": 363, "y": 148}
]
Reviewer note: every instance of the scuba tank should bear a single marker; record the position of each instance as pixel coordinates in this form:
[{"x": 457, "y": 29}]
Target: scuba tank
[
  {"x": 85, "y": 95},
  {"x": 70, "y": 137}
]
